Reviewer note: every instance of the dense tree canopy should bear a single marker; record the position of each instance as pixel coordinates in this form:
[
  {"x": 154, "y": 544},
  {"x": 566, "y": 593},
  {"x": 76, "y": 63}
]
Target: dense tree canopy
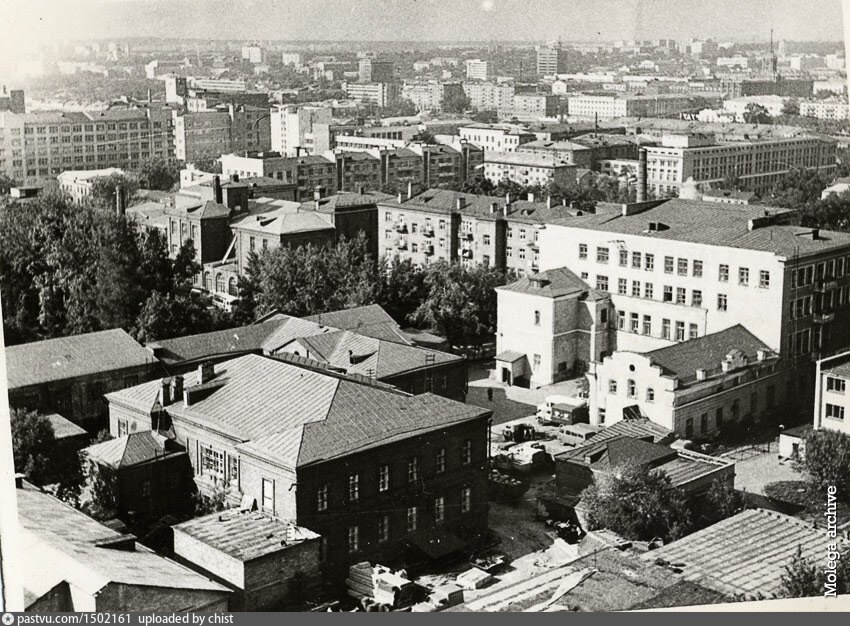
[
  {"x": 827, "y": 461},
  {"x": 159, "y": 174},
  {"x": 806, "y": 578},
  {"x": 637, "y": 504}
]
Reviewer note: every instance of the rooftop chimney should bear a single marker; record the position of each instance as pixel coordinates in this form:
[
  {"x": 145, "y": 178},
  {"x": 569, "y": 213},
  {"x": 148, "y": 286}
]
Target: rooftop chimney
[
  {"x": 641, "y": 178},
  {"x": 507, "y": 199},
  {"x": 361, "y": 189},
  {"x": 409, "y": 190},
  {"x": 459, "y": 204},
  {"x": 530, "y": 197},
  {"x": 815, "y": 234},
  {"x": 206, "y": 372},
  {"x": 165, "y": 392},
  {"x": 701, "y": 374},
  {"x": 176, "y": 388},
  {"x": 219, "y": 198},
  {"x": 317, "y": 193},
  {"x": 549, "y": 202},
  {"x": 400, "y": 197}
]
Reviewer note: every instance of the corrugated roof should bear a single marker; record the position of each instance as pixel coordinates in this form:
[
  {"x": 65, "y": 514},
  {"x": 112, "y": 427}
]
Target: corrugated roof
[
  {"x": 746, "y": 553},
  {"x": 70, "y": 357},
  {"x": 73, "y": 537},
  {"x": 245, "y": 535},
  {"x": 706, "y": 352}
]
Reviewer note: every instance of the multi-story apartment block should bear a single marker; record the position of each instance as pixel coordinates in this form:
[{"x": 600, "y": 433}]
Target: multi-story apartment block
[
  {"x": 307, "y": 172},
  {"x": 832, "y": 407},
  {"x": 290, "y": 58},
  {"x": 498, "y": 137},
  {"x": 252, "y": 54},
  {"x": 430, "y": 95},
  {"x": 217, "y": 84},
  {"x": 551, "y": 60},
  {"x": 682, "y": 269},
  {"x": 605, "y": 107},
  {"x": 373, "y": 71},
  {"x": 357, "y": 171},
  {"x": 528, "y": 169},
  {"x": 825, "y": 109},
  {"x": 470, "y": 229},
  {"x": 568, "y": 152},
  {"x": 447, "y": 166},
  {"x": 13, "y": 101},
  {"x": 226, "y": 128},
  {"x": 292, "y": 128},
  {"x": 377, "y": 94},
  {"x": 789, "y": 87},
  {"x": 376, "y": 469},
  {"x": 476, "y": 69},
  {"x": 38, "y": 146},
  {"x": 759, "y": 164},
  {"x": 531, "y": 107},
  {"x": 489, "y": 96}
]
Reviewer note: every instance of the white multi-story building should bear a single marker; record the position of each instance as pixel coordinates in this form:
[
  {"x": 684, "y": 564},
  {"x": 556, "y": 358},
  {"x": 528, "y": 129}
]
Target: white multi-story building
[
  {"x": 379, "y": 94},
  {"x": 528, "y": 169},
  {"x": 605, "y": 107},
  {"x": 292, "y": 127},
  {"x": 498, "y": 137},
  {"x": 78, "y": 183},
  {"x": 476, "y": 69},
  {"x": 291, "y": 58},
  {"x": 832, "y": 394},
  {"x": 218, "y": 84},
  {"x": 551, "y": 60},
  {"x": 739, "y": 106},
  {"x": 252, "y": 54},
  {"x": 825, "y": 109},
  {"x": 758, "y": 164},
  {"x": 489, "y": 96}
]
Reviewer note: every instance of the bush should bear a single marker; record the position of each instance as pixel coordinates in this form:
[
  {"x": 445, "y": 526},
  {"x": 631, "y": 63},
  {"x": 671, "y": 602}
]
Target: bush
[{"x": 827, "y": 462}]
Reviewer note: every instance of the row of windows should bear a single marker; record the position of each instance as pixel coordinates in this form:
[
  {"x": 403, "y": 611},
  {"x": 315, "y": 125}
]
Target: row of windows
[
  {"x": 826, "y": 270},
  {"x": 682, "y": 267},
  {"x": 413, "y": 519},
  {"x": 643, "y": 325},
  {"x": 383, "y": 476},
  {"x": 679, "y": 296},
  {"x": 631, "y": 390}
]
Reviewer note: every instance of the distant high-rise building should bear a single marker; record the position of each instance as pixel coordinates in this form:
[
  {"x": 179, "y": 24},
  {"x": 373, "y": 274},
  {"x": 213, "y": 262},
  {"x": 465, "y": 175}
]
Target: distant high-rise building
[
  {"x": 551, "y": 60},
  {"x": 476, "y": 69},
  {"x": 13, "y": 101},
  {"x": 252, "y": 54},
  {"x": 372, "y": 71}
]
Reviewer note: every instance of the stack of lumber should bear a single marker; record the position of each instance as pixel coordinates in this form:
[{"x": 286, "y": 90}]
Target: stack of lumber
[{"x": 379, "y": 586}]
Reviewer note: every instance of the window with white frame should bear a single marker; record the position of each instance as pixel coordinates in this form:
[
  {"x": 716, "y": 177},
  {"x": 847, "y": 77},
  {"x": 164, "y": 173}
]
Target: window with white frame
[
  {"x": 384, "y": 478},
  {"x": 322, "y": 498},
  {"x": 680, "y": 331},
  {"x": 353, "y": 538},
  {"x": 764, "y": 279},
  {"x": 836, "y": 385},
  {"x": 412, "y": 518},
  {"x": 466, "y": 452},
  {"x": 650, "y": 394},
  {"x": 353, "y": 487},
  {"x": 834, "y": 411},
  {"x": 582, "y": 251},
  {"x": 268, "y": 495},
  {"x": 383, "y": 528},
  {"x": 601, "y": 255},
  {"x": 649, "y": 262},
  {"x": 466, "y": 500},
  {"x": 723, "y": 273},
  {"x": 440, "y": 461},
  {"x": 412, "y": 469},
  {"x": 439, "y": 509},
  {"x": 212, "y": 462},
  {"x": 743, "y": 276}
]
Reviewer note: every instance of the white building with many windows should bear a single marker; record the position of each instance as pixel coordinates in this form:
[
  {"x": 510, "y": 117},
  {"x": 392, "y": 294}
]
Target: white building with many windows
[{"x": 832, "y": 398}]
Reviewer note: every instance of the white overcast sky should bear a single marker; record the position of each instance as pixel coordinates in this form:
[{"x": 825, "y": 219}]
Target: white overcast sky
[{"x": 585, "y": 20}]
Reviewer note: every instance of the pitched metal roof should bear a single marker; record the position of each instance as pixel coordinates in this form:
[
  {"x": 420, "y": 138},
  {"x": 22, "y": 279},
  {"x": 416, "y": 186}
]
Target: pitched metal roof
[
  {"x": 245, "y": 535},
  {"x": 292, "y": 415},
  {"x": 370, "y": 320},
  {"x": 64, "y": 428},
  {"x": 70, "y": 357},
  {"x": 75, "y": 543},
  {"x": 131, "y": 449},
  {"x": 746, "y": 553},
  {"x": 553, "y": 283},
  {"x": 706, "y": 352}
]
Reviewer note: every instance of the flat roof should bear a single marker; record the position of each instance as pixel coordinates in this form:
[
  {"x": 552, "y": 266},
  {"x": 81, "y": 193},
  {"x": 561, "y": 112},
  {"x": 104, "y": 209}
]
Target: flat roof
[{"x": 245, "y": 535}]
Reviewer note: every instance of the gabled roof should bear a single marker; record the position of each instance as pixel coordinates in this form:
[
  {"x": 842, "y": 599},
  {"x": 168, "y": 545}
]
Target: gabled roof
[
  {"x": 282, "y": 222},
  {"x": 620, "y": 450},
  {"x": 64, "y": 428},
  {"x": 292, "y": 416},
  {"x": 132, "y": 449},
  {"x": 190, "y": 206},
  {"x": 553, "y": 283},
  {"x": 70, "y": 357},
  {"x": 357, "y": 354},
  {"x": 370, "y": 320},
  {"x": 76, "y": 546},
  {"x": 746, "y": 553},
  {"x": 706, "y": 352}
]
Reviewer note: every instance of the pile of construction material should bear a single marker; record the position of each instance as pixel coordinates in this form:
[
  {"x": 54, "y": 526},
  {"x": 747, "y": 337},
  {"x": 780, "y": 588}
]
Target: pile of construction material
[{"x": 379, "y": 588}]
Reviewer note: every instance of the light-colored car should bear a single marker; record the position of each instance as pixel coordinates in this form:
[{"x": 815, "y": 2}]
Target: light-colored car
[{"x": 557, "y": 409}]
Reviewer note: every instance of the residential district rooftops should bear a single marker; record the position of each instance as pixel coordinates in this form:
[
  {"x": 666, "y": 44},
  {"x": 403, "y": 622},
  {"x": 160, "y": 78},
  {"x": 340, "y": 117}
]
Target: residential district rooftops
[
  {"x": 746, "y": 553},
  {"x": 525, "y": 159},
  {"x": 64, "y": 544},
  {"x": 132, "y": 449},
  {"x": 64, "y": 428},
  {"x": 292, "y": 416},
  {"x": 683, "y": 359},
  {"x": 714, "y": 224},
  {"x": 280, "y": 222},
  {"x": 245, "y": 535},
  {"x": 370, "y": 320},
  {"x": 729, "y": 194},
  {"x": 69, "y": 176},
  {"x": 542, "y": 144},
  {"x": 553, "y": 283},
  {"x": 46, "y": 361}
]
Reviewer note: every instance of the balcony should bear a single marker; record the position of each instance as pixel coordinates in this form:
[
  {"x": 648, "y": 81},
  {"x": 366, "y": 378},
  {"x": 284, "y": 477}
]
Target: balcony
[
  {"x": 401, "y": 228},
  {"x": 466, "y": 254},
  {"x": 401, "y": 244},
  {"x": 429, "y": 250},
  {"x": 826, "y": 284},
  {"x": 466, "y": 236},
  {"x": 823, "y": 317},
  {"x": 427, "y": 232}
]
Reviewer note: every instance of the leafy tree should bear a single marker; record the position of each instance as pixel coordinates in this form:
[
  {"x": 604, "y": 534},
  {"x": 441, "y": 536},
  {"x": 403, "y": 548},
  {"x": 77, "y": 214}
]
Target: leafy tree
[
  {"x": 724, "y": 500},
  {"x": 791, "y": 107},
  {"x": 103, "y": 190},
  {"x": 173, "y": 315},
  {"x": 33, "y": 444},
  {"x": 460, "y": 302},
  {"x": 402, "y": 289},
  {"x": 805, "y": 578},
  {"x": 797, "y": 189},
  {"x": 210, "y": 166},
  {"x": 455, "y": 102},
  {"x": 6, "y": 183},
  {"x": 485, "y": 117},
  {"x": 307, "y": 280},
  {"x": 159, "y": 174},
  {"x": 102, "y": 484},
  {"x": 478, "y": 185},
  {"x": 827, "y": 462},
  {"x": 215, "y": 502},
  {"x": 637, "y": 504},
  {"x": 731, "y": 182},
  {"x": 833, "y": 213},
  {"x": 756, "y": 114}
]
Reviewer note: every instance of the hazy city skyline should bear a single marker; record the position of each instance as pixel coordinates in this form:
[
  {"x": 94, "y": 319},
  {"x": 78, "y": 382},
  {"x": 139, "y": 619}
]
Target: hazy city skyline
[{"x": 426, "y": 20}]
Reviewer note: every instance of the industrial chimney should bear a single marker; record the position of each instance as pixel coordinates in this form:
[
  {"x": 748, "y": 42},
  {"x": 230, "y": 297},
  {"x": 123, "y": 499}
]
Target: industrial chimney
[
  {"x": 217, "y": 189},
  {"x": 641, "y": 177}
]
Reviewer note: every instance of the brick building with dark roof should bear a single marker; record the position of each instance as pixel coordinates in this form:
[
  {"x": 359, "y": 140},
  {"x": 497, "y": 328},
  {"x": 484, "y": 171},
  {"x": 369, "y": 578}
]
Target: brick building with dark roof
[{"x": 362, "y": 465}]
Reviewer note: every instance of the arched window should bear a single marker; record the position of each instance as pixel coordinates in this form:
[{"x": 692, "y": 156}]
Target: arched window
[
  {"x": 219, "y": 283},
  {"x": 632, "y": 389},
  {"x": 208, "y": 281},
  {"x": 231, "y": 287}
]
